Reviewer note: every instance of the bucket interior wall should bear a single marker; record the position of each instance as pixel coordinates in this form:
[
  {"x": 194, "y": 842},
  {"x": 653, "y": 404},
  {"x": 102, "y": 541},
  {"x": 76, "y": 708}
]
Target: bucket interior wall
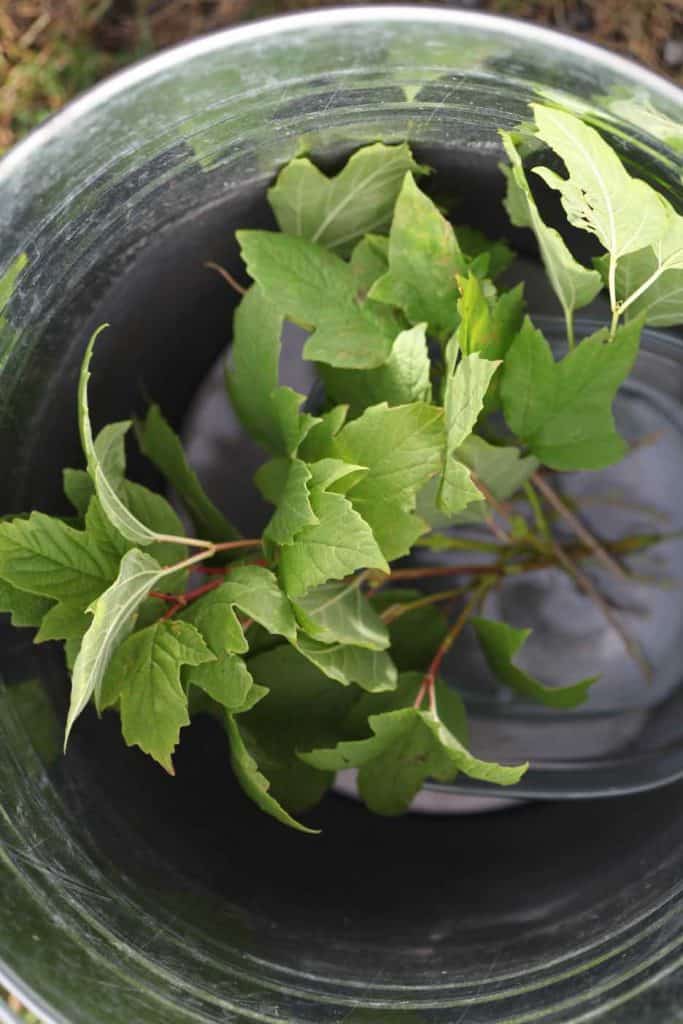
[{"x": 126, "y": 895}]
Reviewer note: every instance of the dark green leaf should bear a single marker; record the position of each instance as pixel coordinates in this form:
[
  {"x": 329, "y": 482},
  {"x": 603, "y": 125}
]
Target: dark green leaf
[
  {"x": 340, "y": 613},
  {"x": 372, "y": 670},
  {"x": 26, "y": 609},
  {"x": 293, "y": 512}
]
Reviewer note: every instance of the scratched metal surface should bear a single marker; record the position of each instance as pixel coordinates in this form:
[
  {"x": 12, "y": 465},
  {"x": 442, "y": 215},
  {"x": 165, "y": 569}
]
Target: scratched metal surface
[{"x": 129, "y": 897}]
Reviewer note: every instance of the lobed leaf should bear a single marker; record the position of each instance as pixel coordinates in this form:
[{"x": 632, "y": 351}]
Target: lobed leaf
[
  {"x": 500, "y": 643},
  {"x": 337, "y": 211}
]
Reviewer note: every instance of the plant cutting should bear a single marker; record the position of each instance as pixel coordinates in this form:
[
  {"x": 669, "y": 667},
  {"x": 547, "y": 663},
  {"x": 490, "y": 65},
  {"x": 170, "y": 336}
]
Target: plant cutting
[{"x": 319, "y": 644}]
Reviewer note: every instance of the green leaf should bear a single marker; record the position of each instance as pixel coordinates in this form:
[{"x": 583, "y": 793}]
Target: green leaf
[
  {"x": 213, "y": 614},
  {"x": 149, "y": 507},
  {"x": 64, "y": 621},
  {"x": 574, "y": 285},
  {"x": 599, "y": 195},
  {"x": 254, "y": 369},
  {"x": 501, "y": 643},
  {"x": 337, "y": 545},
  {"x": 143, "y": 678},
  {"x": 227, "y": 681},
  {"x": 369, "y": 260},
  {"x": 372, "y": 670},
  {"x": 563, "y": 411},
  {"x": 501, "y": 468},
  {"x": 315, "y": 288},
  {"x": 312, "y": 706},
  {"x": 293, "y": 511},
  {"x": 424, "y": 258},
  {"x": 113, "y": 618},
  {"x": 488, "y": 325},
  {"x": 408, "y": 747},
  {"x": 106, "y": 462},
  {"x": 337, "y": 211},
  {"x": 79, "y": 489},
  {"x": 400, "y": 446},
  {"x": 293, "y": 424},
  {"x": 318, "y": 441},
  {"x": 160, "y": 443},
  {"x": 251, "y": 778},
  {"x": 255, "y": 591},
  {"x": 661, "y": 264},
  {"x": 404, "y": 378},
  {"x": 340, "y": 613},
  {"x": 463, "y": 403},
  {"x": 335, "y": 475},
  {"x": 474, "y": 243},
  {"x": 26, "y": 609},
  {"x": 44, "y": 556}
]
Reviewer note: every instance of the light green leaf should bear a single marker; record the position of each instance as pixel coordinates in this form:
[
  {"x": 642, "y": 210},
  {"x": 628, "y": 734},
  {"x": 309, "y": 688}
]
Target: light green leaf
[
  {"x": 160, "y": 443},
  {"x": 318, "y": 441},
  {"x": 463, "y": 403},
  {"x": 563, "y": 411},
  {"x": 500, "y": 467},
  {"x": 293, "y": 424},
  {"x": 106, "y": 461},
  {"x": 408, "y": 747},
  {"x": 26, "y": 609},
  {"x": 335, "y": 475},
  {"x": 213, "y": 614},
  {"x": 401, "y": 447},
  {"x": 424, "y": 258},
  {"x": 488, "y": 324},
  {"x": 251, "y": 778},
  {"x": 293, "y": 511},
  {"x": 337, "y": 211},
  {"x": 315, "y": 288},
  {"x": 255, "y": 591},
  {"x": 599, "y": 195},
  {"x": 501, "y": 643},
  {"x": 143, "y": 678},
  {"x": 340, "y": 543},
  {"x": 113, "y": 618},
  {"x": 660, "y": 264},
  {"x": 372, "y": 670},
  {"x": 369, "y": 260},
  {"x": 574, "y": 285},
  {"x": 271, "y": 478},
  {"x": 404, "y": 378},
  {"x": 65, "y": 620},
  {"x": 45, "y": 556},
  {"x": 340, "y": 613}
]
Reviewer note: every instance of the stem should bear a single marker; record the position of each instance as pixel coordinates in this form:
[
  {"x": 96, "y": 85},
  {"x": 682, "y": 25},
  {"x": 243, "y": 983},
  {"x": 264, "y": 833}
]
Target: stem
[
  {"x": 591, "y": 591},
  {"x": 444, "y": 647},
  {"x": 233, "y": 545},
  {"x": 240, "y": 289},
  {"x": 446, "y": 570},
  {"x": 569, "y": 323},
  {"x": 614, "y": 306},
  {"x": 554, "y": 499},
  {"x": 395, "y": 611},
  {"x": 498, "y": 507},
  {"x": 539, "y": 516}
]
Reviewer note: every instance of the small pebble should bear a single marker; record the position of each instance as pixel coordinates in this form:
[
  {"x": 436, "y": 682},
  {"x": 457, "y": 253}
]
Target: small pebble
[{"x": 672, "y": 53}]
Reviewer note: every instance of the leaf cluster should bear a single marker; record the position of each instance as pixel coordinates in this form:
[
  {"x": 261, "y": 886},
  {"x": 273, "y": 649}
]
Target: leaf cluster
[{"x": 441, "y": 402}]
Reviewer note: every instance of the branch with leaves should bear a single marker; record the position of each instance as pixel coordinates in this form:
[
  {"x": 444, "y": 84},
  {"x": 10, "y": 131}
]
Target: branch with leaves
[{"x": 442, "y": 406}]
